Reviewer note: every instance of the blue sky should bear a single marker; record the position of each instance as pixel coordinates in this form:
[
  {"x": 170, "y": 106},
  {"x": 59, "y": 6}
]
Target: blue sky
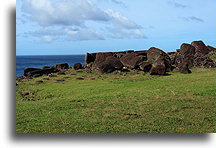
[{"x": 60, "y": 27}]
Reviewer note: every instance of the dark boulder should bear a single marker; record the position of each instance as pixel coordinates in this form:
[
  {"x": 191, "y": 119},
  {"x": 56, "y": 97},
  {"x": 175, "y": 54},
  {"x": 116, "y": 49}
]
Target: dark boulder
[
  {"x": 159, "y": 57},
  {"x": 131, "y": 60},
  {"x": 52, "y": 75},
  {"x": 158, "y": 70},
  {"x": 40, "y": 72},
  {"x": 108, "y": 65},
  {"x": 29, "y": 70},
  {"x": 105, "y": 68},
  {"x": 61, "y": 73},
  {"x": 101, "y": 57},
  {"x": 184, "y": 67},
  {"x": 39, "y": 81},
  {"x": 48, "y": 67},
  {"x": 25, "y": 93},
  {"x": 200, "y": 48},
  {"x": 146, "y": 66},
  {"x": 62, "y": 66},
  {"x": 186, "y": 54},
  {"x": 211, "y": 49},
  {"x": 35, "y": 72},
  {"x": 118, "y": 55},
  {"x": 77, "y": 66},
  {"x": 36, "y": 75},
  {"x": 187, "y": 49},
  {"x": 50, "y": 70},
  {"x": 89, "y": 58},
  {"x": 114, "y": 62},
  {"x": 204, "y": 61},
  {"x": 172, "y": 56},
  {"x": 79, "y": 78}
]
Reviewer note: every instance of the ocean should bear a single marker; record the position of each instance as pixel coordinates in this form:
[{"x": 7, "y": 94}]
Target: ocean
[{"x": 23, "y": 62}]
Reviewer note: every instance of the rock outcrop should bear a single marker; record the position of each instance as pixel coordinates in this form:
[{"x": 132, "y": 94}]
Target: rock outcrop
[
  {"x": 155, "y": 61},
  {"x": 139, "y": 60},
  {"x": 196, "y": 54}
]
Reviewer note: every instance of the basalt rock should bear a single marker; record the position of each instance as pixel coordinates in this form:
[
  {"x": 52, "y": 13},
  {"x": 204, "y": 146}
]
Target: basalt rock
[
  {"x": 186, "y": 54},
  {"x": 27, "y": 70},
  {"x": 114, "y": 62},
  {"x": 101, "y": 57},
  {"x": 132, "y": 60},
  {"x": 89, "y": 58},
  {"x": 200, "y": 48},
  {"x": 158, "y": 70},
  {"x": 108, "y": 65},
  {"x": 105, "y": 68},
  {"x": 211, "y": 49},
  {"x": 172, "y": 56},
  {"x": 77, "y": 66},
  {"x": 184, "y": 67},
  {"x": 204, "y": 61},
  {"x": 146, "y": 66},
  {"x": 40, "y": 72},
  {"x": 159, "y": 57},
  {"x": 62, "y": 66},
  {"x": 25, "y": 93}
]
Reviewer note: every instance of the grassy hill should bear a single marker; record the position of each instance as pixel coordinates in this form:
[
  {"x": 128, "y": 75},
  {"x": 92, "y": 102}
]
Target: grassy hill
[{"x": 118, "y": 103}]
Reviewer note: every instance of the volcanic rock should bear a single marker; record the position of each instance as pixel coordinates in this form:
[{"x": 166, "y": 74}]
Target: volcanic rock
[
  {"x": 200, "y": 47},
  {"x": 89, "y": 58},
  {"x": 158, "y": 70},
  {"x": 62, "y": 66},
  {"x": 77, "y": 66},
  {"x": 25, "y": 93},
  {"x": 131, "y": 60},
  {"x": 29, "y": 70},
  {"x": 101, "y": 57},
  {"x": 184, "y": 68},
  {"x": 159, "y": 57},
  {"x": 146, "y": 66}
]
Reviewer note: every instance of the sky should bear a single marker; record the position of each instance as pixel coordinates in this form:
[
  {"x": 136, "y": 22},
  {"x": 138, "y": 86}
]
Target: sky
[{"x": 67, "y": 27}]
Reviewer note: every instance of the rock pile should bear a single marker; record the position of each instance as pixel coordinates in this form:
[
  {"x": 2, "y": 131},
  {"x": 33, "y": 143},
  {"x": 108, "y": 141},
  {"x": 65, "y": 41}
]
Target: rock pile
[
  {"x": 154, "y": 60},
  {"x": 35, "y": 72}
]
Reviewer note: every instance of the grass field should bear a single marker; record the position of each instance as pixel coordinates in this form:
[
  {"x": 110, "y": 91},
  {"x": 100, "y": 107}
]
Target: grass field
[{"x": 118, "y": 103}]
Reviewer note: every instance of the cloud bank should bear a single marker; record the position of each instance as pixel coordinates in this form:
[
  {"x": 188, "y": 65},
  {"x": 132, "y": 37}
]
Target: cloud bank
[{"x": 71, "y": 18}]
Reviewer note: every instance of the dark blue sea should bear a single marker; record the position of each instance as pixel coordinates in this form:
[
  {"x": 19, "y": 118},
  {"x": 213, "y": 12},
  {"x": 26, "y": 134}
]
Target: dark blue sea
[{"x": 23, "y": 62}]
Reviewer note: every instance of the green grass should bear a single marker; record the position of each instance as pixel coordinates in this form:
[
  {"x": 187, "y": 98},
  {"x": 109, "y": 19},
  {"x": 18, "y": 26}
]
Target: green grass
[{"x": 114, "y": 103}]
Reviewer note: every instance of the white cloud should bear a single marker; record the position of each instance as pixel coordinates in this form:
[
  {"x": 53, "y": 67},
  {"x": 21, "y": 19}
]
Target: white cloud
[
  {"x": 48, "y": 38},
  {"x": 84, "y": 34},
  {"x": 64, "y": 12},
  {"x": 121, "y": 20},
  {"x": 70, "y": 17},
  {"x": 120, "y": 33},
  {"x": 65, "y": 33}
]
